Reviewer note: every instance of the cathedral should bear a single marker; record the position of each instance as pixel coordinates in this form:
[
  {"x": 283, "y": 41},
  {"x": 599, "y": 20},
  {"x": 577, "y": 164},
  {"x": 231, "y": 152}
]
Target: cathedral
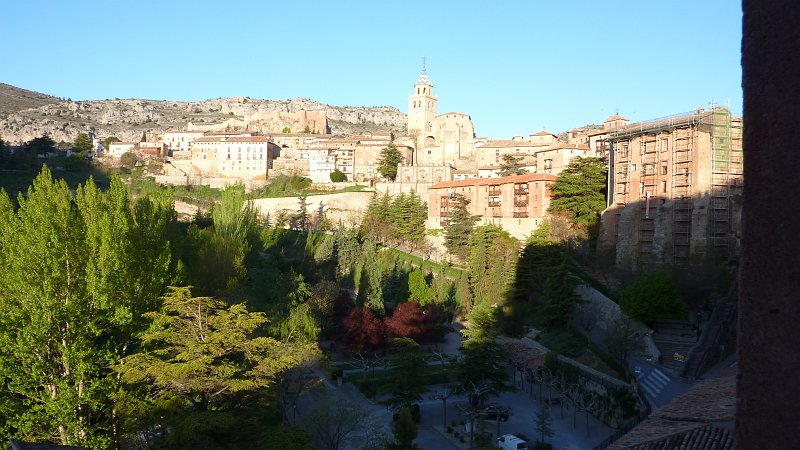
[{"x": 441, "y": 140}]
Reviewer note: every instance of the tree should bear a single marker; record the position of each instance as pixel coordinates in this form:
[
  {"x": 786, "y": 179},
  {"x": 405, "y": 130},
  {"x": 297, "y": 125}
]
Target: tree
[
  {"x": 405, "y": 384},
  {"x": 511, "y": 166},
  {"x": 543, "y": 422},
  {"x": 334, "y": 420},
  {"x": 337, "y": 176},
  {"x": 460, "y": 224},
  {"x": 652, "y": 297},
  {"x": 418, "y": 288},
  {"x": 307, "y": 130},
  {"x": 491, "y": 263},
  {"x": 622, "y": 339},
  {"x": 412, "y": 321},
  {"x": 82, "y": 144},
  {"x": 362, "y": 331},
  {"x": 144, "y": 137},
  {"x": 581, "y": 190},
  {"x": 128, "y": 160},
  {"x": 405, "y": 431},
  {"x": 301, "y": 218},
  {"x": 390, "y": 157},
  {"x": 110, "y": 140},
  {"x": 77, "y": 276},
  {"x": 286, "y": 130},
  {"x": 200, "y": 359},
  {"x": 482, "y": 372}
]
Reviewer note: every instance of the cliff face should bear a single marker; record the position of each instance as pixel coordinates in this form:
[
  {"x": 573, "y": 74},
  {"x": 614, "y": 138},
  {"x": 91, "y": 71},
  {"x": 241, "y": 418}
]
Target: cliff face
[{"x": 30, "y": 116}]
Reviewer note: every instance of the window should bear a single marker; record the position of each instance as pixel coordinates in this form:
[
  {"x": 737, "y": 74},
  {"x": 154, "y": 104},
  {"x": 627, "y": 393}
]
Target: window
[
  {"x": 664, "y": 144},
  {"x": 663, "y": 187},
  {"x": 633, "y": 167},
  {"x": 663, "y": 167},
  {"x": 548, "y": 164}
]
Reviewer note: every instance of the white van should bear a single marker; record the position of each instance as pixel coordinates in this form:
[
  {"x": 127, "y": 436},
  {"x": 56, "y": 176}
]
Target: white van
[{"x": 511, "y": 442}]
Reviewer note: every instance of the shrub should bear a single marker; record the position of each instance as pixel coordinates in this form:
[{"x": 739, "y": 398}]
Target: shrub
[
  {"x": 652, "y": 297},
  {"x": 337, "y": 176}
]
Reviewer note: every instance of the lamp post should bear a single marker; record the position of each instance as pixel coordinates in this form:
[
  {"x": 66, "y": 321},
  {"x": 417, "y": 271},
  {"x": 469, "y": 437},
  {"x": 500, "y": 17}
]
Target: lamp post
[{"x": 294, "y": 413}]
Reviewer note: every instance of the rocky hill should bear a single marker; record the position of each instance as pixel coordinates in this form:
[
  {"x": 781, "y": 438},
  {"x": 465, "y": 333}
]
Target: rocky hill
[
  {"x": 30, "y": 114},
  {"x": 13, "y": 99}
]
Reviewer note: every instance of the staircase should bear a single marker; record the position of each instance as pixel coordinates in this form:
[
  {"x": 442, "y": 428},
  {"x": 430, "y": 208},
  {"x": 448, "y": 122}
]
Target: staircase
[{"x": 674, "y": 338}]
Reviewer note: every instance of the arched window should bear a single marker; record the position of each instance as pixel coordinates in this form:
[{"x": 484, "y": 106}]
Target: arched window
[
  {"x": 417, "y": 91},
  {"x": 430, "y": 141}
]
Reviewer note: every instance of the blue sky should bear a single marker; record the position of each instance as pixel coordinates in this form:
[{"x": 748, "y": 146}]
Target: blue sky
[{"x": 514, "y": 66}]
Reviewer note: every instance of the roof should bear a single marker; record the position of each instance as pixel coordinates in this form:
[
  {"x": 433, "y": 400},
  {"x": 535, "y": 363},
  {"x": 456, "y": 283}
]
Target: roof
[
  {"x": 233, "y": 139},
  {"x": 123, "y": 143},
  {"x": 510, "y": 143},
  {"x": 615, "y": 117},
  {"x": 184, "y": 131},
  {"x": 699, "y": 419},
  {"x": 543, "y": 133},
  {"x": 453, "y": 112},
  {"x": 494, "y": 181}
]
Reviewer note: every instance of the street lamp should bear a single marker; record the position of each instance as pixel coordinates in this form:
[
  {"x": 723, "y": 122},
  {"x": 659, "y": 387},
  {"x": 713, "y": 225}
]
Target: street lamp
[{"x": 294, "y": 412}]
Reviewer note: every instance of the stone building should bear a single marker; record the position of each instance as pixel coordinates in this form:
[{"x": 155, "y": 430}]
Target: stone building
[
  {"x": 517, "y": 203},
  {"x": 243, "y": 157},
  {"x": 178, "y": 142},
  {"x": 674, "y": 196},
  {"x": 441, "y": 139}
]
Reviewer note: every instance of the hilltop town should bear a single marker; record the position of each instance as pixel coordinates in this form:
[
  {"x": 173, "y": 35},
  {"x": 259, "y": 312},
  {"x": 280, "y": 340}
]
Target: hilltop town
[{"x": 581, "y": 259}]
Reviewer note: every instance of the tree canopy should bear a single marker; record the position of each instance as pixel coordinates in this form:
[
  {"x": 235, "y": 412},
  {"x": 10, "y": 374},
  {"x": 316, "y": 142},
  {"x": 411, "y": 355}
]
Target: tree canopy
[
  {"x": 390, "y": 157},
  {"x": 581, "y": 190},
  {"x": 82, "y": 144},
  {"x": 652, "y": 297},
  {"x": 460, "y": 225},
  {"x": 511, "y": 165}
]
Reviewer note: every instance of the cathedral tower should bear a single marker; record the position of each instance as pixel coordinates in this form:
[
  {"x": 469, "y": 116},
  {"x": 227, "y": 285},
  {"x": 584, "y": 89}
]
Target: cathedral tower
[{"x": 421, "y": 107}]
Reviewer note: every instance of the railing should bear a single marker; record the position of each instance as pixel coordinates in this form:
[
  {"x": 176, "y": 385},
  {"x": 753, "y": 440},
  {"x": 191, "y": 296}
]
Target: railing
[
  {"x": 494, "y": 203},
  {"x": 520, "y": 214},
  {"x": 521, "y": 201},
  {"x": 521, "y": 191},
  {"x": 494, "y": 191}
]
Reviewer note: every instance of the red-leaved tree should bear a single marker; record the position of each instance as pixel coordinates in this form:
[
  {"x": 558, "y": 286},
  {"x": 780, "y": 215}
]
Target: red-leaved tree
[
  {"x": 362, "y": 331},
  {"x": 413, "y": 321}
]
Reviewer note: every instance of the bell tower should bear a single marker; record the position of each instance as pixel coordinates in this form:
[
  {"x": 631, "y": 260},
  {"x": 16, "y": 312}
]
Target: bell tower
[{"x": 421, "y": 107}]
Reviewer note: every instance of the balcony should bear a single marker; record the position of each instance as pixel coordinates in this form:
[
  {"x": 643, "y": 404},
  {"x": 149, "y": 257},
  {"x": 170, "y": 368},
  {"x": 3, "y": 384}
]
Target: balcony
[
  {"x": 494, "y": 191},
  {"x": 520, "y": 214},
  {"x": 521, "y": 201},
  {"x": 521, "y": 191},
  {"x": 493, "y": 203}
]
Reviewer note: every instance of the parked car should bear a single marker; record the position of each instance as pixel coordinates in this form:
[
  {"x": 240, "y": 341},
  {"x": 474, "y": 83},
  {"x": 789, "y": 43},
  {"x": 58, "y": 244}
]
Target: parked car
[
  {"x": 511, "y": 442},
  {"x": 553, "y": 401},
  {"x": 492, "y": 412}
]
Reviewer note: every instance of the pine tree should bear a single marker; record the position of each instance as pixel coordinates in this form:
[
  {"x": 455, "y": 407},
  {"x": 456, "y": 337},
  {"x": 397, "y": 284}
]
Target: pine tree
[
  {"x": 458, "y": 231},
  {"x": 390, "y": 157},
  {"x": 581, "y": 190}
]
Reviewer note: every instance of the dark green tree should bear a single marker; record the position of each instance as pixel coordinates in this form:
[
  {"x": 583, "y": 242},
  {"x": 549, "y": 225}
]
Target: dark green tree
[
  {"x": 390, "y": 157},
  {"x": 418, "y": 288},
  {"x": 491, "y": 263},
  {"x": 405, "y": 431},
  {"x": 82, "y": 144},
  {"x": 144, "y": 137},
  {"x": 511, "y": 166},
  {"x": 301, "y": 219},
  {"x": 581, "y": 190},
  {"x": 286, "y": 130},
  {"x": 652, "y": 297},
  {"x": 110, "y": 140},
  {"x": 337, "y": 176},
  {"x": 405, "y": 384},
  {"x": 459, "y": 229}
]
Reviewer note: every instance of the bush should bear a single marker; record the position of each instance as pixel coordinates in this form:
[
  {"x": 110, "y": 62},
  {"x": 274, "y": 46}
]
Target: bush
[
  {"x": 128, "y": 160},
  {"x": 652, "y": 297},
  {"x": 337, "y": 176}
]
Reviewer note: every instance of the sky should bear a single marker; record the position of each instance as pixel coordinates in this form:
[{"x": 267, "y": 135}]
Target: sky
[{"x": 515, "y": 67}]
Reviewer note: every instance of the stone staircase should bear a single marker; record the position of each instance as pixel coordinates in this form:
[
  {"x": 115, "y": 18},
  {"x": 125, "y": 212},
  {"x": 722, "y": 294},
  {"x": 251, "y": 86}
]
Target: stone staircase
[{"x": 674, "y": 338}]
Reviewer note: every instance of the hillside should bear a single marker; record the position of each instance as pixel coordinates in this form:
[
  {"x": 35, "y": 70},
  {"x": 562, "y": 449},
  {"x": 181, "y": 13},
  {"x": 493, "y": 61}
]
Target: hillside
[
  {"x": 129, "y": 118},
  {"x": 13, "y": 99}
]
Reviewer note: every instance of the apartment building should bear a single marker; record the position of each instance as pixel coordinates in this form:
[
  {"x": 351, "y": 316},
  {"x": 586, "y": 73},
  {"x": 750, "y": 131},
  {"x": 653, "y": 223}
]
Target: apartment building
[
  {"x": 674, "y": 195},
  {"x": 517, "y": 203}
]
